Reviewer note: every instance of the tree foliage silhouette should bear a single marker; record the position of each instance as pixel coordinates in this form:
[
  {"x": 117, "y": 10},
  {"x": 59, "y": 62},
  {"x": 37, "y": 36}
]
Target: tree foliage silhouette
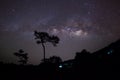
[
  {"x": 23, "y": 57},
  {"x": 43, "y": 37},
  {"x": 82, "y": 55},
  {"x": 55, "y": 59}
]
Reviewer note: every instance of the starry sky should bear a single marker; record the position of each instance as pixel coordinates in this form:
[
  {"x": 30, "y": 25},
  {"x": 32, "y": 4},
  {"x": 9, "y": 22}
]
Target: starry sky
[{"x": 80, "y": 24}]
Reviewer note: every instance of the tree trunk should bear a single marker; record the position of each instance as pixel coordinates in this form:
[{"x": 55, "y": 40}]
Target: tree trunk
[{"x": 43, "y": 51}]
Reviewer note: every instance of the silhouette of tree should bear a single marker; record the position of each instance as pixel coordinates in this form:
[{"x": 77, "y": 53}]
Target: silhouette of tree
[
  {"x": 55, "y": 59},
  {"x": 23, "y": 57},
  {"x": 82, "y": 55},
  {"x": 43, "y": 37}
]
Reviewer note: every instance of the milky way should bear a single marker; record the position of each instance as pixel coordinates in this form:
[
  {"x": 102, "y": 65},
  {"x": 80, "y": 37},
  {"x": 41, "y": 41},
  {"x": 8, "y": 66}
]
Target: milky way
[{"x": 80, "y": 24}]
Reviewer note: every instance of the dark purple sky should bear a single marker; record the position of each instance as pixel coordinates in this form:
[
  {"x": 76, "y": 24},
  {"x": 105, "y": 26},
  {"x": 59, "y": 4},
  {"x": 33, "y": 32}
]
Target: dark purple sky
[{"x": 80, "y": 24}]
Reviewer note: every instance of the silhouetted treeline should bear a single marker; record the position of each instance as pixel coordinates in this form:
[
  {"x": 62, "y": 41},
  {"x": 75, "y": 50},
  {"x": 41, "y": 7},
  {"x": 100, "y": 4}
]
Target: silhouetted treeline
[{"x": 102, "y": 64}]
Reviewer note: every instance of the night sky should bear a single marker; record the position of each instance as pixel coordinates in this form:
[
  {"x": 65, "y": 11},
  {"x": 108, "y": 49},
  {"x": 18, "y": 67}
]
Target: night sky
[{"x": 80, "y": 24}]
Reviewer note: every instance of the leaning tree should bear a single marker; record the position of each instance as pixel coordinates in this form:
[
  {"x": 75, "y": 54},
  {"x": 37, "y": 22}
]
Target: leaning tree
[{"x": 43, "y": 37}]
